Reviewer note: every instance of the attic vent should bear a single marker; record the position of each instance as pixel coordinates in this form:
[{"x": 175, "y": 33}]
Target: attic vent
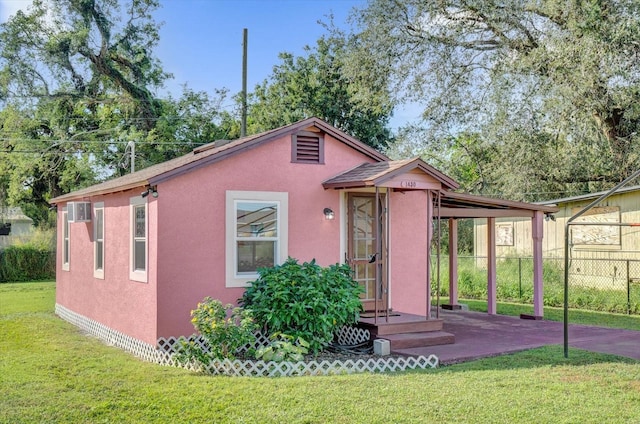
[{"x": 307, "y": 147}]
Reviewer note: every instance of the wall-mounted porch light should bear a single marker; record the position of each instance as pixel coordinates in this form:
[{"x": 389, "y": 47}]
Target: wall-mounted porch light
[
  {"x": 328, "y": 213},
  {"x": 549, "y": 216}
]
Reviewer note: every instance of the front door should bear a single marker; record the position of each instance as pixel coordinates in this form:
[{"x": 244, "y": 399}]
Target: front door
[{"x": 363, "y": 230}]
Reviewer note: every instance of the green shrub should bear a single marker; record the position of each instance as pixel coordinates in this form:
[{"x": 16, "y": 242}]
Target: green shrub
[
  {"x": 26, "y": 263},
  {"x": 225, "y": 329},
  {"x": 283, "y": 348},
  {"x": 306, "y": 301}
]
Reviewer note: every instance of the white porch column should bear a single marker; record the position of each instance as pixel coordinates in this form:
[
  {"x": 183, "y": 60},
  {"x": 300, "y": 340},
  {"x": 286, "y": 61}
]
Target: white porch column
[
  {"x": 538, "y": 285},
  {"x": 491, "y": 266}
]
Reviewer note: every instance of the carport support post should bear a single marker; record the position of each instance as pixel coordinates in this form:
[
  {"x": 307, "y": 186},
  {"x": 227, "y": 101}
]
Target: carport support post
[
  {"x": 453, "y": 261},
  {"x": 491, "y": 266},
  {"x": 453, "y": 266},
  {"x": 538, "y": 285}
]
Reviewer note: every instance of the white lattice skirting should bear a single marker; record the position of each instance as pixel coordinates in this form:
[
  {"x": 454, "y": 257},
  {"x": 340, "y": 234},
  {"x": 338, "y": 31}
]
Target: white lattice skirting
[{"x": 164, "y": 352}]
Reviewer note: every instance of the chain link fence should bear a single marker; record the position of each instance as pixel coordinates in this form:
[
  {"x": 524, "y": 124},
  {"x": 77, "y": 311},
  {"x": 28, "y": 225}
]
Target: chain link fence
[{"x": 608, "y": 285}]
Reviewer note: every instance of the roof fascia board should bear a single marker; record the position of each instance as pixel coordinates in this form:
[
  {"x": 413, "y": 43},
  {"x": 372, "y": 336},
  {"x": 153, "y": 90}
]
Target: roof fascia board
[
  {"x": 81, "y": 195},
  {"x": 482, "y": 213},
  {"x": 490, "y": 201},
  {"x": 355, "y": 184}
]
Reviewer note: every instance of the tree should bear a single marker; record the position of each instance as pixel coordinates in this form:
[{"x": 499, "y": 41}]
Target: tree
[
  {"x": 315, "y": 85},
  {"x": 77, "y": 83},
  {"x": 83, "y": 49},
  {"x": 551, "y": 85}
]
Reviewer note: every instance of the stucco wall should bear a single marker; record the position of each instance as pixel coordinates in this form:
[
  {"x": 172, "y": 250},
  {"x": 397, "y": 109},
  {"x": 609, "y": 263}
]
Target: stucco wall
[
  {"x": 116, "y": 301},
  {"x": 191, "y": 242},
  {"x": 409, "y": 225},
  {"x": 187, "y": 231}
]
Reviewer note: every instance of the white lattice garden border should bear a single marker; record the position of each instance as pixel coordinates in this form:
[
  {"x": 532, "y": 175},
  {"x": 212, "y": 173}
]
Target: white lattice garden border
[{"x": 164, "y": 352}]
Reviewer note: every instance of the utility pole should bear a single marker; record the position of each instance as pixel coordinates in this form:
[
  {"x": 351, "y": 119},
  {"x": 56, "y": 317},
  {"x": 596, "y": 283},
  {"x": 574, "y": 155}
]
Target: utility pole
[
  {"x": 243, "y": 127},
  {"x": 132, "y": 151}
]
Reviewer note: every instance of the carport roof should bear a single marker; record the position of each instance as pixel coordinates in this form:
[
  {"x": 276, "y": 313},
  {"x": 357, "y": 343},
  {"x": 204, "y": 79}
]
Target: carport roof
[{"x": 463, "y": 205}]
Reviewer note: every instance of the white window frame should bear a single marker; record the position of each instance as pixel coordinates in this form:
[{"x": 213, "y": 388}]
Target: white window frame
[
  {"x": 66, "y": 240},
  {"x": 98, "y": 272},
  {"x": 137, "y": 274},
  {"x": 282, "y": 247}
]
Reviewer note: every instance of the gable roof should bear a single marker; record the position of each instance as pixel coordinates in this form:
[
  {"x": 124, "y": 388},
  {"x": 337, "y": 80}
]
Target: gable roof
[
  {"x": 374, "y": 174},
  {"x": 211, "y": 153}
]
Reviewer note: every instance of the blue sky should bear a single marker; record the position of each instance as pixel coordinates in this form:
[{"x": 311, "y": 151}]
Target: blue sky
[{"x": 201, "y": 40}]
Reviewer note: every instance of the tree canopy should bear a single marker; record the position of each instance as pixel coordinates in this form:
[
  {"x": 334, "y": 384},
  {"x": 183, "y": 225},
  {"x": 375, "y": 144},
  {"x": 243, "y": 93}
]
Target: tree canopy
[
  {"x": 77, "y": 83},
  {"x": 547, "y": 88},
  {"x": 316, "y": 85}
]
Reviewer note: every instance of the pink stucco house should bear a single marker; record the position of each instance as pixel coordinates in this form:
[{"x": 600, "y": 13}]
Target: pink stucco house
[{"x": 137, "y": 253}]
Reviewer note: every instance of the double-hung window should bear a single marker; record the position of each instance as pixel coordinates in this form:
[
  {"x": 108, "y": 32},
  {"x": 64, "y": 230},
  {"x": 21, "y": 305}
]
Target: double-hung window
[
  {"x": 256, "y": 233},
  {"x": 66, "y": 248},
  {"x": 98, "y": 240},
  {"x": 139, "y": 229}
]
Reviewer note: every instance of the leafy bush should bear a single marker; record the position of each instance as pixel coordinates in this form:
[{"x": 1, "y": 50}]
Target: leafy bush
[
  {"x": 224, "y": 328},
  {"x": 283, "y": 348},
  {"x": 26, "y": 263},
  {"x": 306, "y": 301}
]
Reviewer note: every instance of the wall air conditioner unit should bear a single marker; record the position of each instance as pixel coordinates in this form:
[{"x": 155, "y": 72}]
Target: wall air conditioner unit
[{"x": 79, "y": 211}]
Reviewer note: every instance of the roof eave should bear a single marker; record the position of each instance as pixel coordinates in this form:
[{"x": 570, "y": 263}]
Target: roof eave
[
  {"x": 500, "y": 203},
  {"x": 84, "y": 194}
]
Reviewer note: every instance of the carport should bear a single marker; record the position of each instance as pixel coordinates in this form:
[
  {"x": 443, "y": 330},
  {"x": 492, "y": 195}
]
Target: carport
[{"x": 453, "y": 206}]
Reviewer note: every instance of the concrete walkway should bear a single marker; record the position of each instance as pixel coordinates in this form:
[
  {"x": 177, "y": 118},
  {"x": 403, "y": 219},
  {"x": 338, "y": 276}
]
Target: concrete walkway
[{"x": 479, "y": 335}]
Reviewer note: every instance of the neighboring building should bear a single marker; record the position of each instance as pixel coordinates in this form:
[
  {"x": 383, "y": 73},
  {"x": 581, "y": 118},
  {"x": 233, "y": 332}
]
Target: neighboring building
[
  {"x": 137, "y": 253},
  {"x": 605, "y": 255},
  {"x": 586, "y": 241},
  {"x": 14, "y": 225}
]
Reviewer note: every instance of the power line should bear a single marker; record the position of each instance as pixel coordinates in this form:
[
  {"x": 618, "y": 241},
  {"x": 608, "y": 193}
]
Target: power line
[{"x": 178, "y": 143}]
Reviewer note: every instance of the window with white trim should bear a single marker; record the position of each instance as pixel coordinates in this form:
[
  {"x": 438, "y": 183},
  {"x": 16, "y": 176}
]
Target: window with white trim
[
  {"x": 139, "y": 229},
  {"x": 256, "y": 233},
  {"x": 98, "y": 240},
  {"x": 66, "y": 247}
]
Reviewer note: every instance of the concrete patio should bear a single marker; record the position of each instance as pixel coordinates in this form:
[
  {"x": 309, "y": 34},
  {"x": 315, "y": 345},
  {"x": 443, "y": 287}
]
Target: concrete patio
[{"x": 479, "y": 335}]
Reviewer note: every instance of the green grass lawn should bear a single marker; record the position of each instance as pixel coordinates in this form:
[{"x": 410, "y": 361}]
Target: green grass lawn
[{"x": 50, "y": 372}]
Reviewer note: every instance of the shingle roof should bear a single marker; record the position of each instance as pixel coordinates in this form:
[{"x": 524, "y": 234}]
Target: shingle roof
[
  {"x": 13, "y": 214},
  {"x": 372, "y": 174},
  {"x": 208, "y": 154}
]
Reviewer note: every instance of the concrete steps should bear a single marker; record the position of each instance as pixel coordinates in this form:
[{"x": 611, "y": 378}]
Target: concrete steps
[
  {"x": 421, "y": 339},
  {"x": 400, "y": 324},
  {"x": 406, "y": 331}
]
